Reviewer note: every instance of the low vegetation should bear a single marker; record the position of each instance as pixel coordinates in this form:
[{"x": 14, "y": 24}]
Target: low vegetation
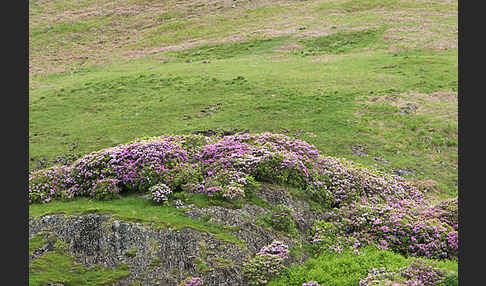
[{"x": 349, "y": 268}]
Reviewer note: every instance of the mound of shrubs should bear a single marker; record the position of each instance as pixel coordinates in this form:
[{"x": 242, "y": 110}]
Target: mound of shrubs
[
  {"x": 369, "y": 206},
  {"x": 402, "y": 227},
  {"x": 216, "y": 166}
]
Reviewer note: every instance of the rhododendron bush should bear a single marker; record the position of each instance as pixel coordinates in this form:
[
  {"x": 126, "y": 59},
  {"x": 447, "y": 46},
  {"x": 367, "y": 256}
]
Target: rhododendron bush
[
  {"x": 222, "y": 166},
  {"x": 267, "y": 263},
  {"x": 369, "y": 206},
  {"x": 418, "y": 273},
  {"x": 402, "y": 227}
]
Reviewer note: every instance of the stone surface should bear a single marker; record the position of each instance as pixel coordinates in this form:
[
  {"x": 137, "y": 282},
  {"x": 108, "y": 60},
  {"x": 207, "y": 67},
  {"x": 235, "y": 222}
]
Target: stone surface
[{"x": 166, "y": 257}]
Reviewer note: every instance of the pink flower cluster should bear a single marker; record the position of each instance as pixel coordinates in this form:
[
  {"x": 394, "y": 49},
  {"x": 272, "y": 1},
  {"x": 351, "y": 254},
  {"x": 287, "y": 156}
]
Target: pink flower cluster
[
  {"x": 51, "y": 184},
  {"x": 418, "y": 273},
  {"x": 225, "y": 166},
  {"x": 267, "y": 263},
  {"x": 137, "y": 165},
  {"x": 402, "y": 227},
  {"x": 275, "y": 248},
  {"x": 192, "y": 281}
]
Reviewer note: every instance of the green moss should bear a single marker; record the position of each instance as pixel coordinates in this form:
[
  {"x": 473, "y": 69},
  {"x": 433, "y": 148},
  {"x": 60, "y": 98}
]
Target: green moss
[
  {"x": 59, "y": 267},
  {"x": 155, "y": 262},
  {"x": 131, "y": 252}
]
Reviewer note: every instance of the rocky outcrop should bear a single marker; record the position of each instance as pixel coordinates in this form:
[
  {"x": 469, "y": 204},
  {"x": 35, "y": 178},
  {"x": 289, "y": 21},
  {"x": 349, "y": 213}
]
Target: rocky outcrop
[{"x": 167, "y": 256}]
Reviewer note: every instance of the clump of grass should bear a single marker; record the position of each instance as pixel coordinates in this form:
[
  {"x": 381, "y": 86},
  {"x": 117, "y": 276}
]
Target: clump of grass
[
  {"x": 57, "y": 267},
  {"x": 341, "y": 42},
  {"x": 231, "y": 50},
  {"x": 132, "y": 252},
  {"x": 282, "y": 219}
]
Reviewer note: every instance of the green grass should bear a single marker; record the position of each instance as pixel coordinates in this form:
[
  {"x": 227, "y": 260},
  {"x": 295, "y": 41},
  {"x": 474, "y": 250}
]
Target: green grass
[
  {"x": 357, "y": 5},
  {"x": 36, "y": 242},
  {"x": 231, "y": 50},
  {"x": 341, "y": 42},
  {"x": 132, "y": 208},
  {"x": 360, "y": 6},
  {"x": 347, "y": 269},
  {"x": 59, "y": 267}
]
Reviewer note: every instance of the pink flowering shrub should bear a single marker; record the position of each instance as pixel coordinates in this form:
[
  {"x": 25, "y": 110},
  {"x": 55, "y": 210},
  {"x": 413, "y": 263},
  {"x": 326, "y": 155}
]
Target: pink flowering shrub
[
  {"x": 192, "y": 281},
  {"x": 418, "y": 273},
  {"x": 368, "y": 206},
  {"x": 229, "y": 166},
  {"x": 445, "y": 212},
  {"x": 267, "y": 263},
  {"x": 51, "y": 184},
  {"x": 137, "y": 165},
  {"x": 105, "y": 189},
  {"x": 400, "y": 227}
]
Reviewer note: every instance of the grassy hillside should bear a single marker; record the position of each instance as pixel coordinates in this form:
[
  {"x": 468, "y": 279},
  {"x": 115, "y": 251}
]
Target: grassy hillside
[{"x": 374, "y": 81}]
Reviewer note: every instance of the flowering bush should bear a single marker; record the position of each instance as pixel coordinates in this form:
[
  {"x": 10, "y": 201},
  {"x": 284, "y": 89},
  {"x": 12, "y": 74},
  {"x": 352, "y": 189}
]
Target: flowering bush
[
  {"x": 192, "y": 281},
  {"x": 160, "y": 192},
  {"x": 106, "y": 188},
  {"x": 311, "y": 283},
  {"x": 368, "y": 206},
  {"x": 401, "y": 227},
  {"x": 445, "y": 212},
  {"x": 268, "y": 262},
  {"x": 418, "y": 273},
  {"x": 228, "y": 167},
  {"x": 137, "y": 165},
  {"x": 50, "y": 184}
]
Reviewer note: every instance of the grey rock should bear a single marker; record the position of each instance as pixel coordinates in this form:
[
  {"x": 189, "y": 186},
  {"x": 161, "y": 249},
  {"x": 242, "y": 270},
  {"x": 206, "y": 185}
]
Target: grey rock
[
  {"x": 95, "y": 239},
  {"x": 359, "y": 151},
  {"x": 404, "y": 171}
]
